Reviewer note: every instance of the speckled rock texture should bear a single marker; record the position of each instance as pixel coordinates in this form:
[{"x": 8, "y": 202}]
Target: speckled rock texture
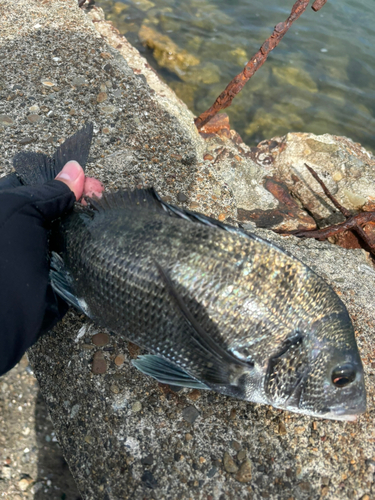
[{"x": 123, "y": 434}]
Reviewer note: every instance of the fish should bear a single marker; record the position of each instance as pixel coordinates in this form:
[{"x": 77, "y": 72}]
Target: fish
[{"x": 215, "y": 307}]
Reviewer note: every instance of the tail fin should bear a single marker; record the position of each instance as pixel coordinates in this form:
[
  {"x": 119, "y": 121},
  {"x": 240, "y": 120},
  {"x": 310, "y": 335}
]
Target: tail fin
[{"x": 38, "y": 168}]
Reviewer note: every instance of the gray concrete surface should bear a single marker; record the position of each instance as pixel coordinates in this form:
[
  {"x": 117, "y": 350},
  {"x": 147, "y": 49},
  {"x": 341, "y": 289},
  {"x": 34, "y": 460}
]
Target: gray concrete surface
[{"x": 123, "y": 434}]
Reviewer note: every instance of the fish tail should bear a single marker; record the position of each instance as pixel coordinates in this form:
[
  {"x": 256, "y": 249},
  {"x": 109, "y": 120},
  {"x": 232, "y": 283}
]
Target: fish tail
[{"x": 37, "y": 168}]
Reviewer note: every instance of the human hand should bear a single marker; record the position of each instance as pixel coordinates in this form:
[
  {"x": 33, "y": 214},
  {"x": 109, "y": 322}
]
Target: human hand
[{"x": 28, "y": 305}]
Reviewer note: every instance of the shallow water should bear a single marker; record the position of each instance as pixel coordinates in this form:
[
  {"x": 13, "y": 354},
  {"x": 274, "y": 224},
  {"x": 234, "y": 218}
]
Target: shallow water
[{"x": 320, "y": 79}]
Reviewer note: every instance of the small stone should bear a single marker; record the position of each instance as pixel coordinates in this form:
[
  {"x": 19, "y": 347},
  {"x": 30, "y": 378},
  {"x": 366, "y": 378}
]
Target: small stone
[
  {"x": 134, "y": 350},
  {"x": 89, "y": 439},
  {"x": 305, "y": 486},
  {"x": 282, "y": 429},
  {"x": 208, "y": 157},
  {"x": 324, "y": 491},
  {"x": 194, "y": 205},
  {"x": 115, "y": 389},
  {"x": 100, "y": 339},
  {"x": 6, "y": 472},
  {"x": 102, "y": 96},
  {"x": 108, "y": 109},
  {"x": 105, "y": 55},
  {"x": 244, "y": 474},
  {"x": 233, "y": 413},
  {"x": 365, "y": 497},
  {"x": 149, "y": 480},
  {"x": 78, "y": 81},
  {"x": 72, "y": 112},
  {"x": 202, "y": 460},
  {"x": 136, "y": 407},
  {"x": 26, "y": 140},
  {"x": 6, "y": 121},
  {"x": 221, "y": 217},
  {"x": 23, "y": 484},
  {"x": 194, "y": 395},
  {"x": 190, "y": 414},
  {"x": 149, "y": 460},
  {"x": 337, "y": 176},
  {"x": 99, "y": 364},
  {"x": 188, "y": 436},
  {"x": 48, "y": 83},
  {"x": 241, "y": 455},
  {"x": 119, "y": 360},
  {"x": 235, "y": 445},
  {"x": 229, "y": 464},
  {"x": 34, "y": 109},
  {"x": 212, "y": 471},
  {"x": 106, "y": 130},
  {"x": 34, "y": 118},
  {"x": 182, "y": 197}
]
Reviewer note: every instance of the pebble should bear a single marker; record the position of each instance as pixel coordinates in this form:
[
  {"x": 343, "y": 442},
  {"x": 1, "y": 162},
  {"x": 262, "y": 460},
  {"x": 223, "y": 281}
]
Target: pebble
[
  {"x": 23, "y": 484},
  {"x": 34, "y": 118},
  {"x": 188, "y": 437},
  {"x": 208, "y": 157},
  {"x": 365, "y": 497},
  {"x": 100, "y": 339},
  {"x": 244, "y": 474},
  {"x": 221, "y": 217},
  {"x": 99, "y": 364},
  {"x": 190, "y": 414},
  {"x": 212, "y": 471},
  {"x": 108, "y": 109},
  {"x": 324, "y": 491},
  {"x": 34, "y": 109},
  {"x": 102, "y": 96},
  {"x": 241, "y": 455},
  {"x": 229, "y": 464},
  {"x": 119, "y": 360},
  {"x": 6, "y": 472},
  {"x": 235, "y": 445},
  {"x": 194, "y": 395},
  {"x": 149, "y": 480},
  {"x": 149, "y": 460},
  {"x": 78, "y": 81},
  {"x": 136, "y": 407},
  {"x": 48, "y": 83},
  {"x": 282, "y": 429},
  {"x": 182, "y": 197},
  {"x": 115, "y": 389},
  {"x": 6, "y": 121},
  {"x": 26, "y": 140}
]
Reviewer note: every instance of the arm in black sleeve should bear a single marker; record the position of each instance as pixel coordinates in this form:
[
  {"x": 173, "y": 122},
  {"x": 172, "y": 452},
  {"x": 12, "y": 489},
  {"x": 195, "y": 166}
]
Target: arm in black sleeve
[{"x": 28, "y": 306}]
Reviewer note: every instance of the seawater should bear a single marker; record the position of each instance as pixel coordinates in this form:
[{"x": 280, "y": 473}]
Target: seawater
[{"x": 320, "y": 79}]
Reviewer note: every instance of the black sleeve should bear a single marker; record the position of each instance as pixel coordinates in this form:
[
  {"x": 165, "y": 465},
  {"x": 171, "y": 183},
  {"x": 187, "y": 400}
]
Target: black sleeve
[{"x": 28, "y": 305}]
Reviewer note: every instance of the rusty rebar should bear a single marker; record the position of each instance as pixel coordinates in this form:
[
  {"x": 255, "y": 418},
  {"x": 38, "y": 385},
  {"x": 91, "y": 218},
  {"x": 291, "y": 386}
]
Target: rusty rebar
[
  {"x": 236, "y": 85},
  {"x": 318, "y": 4},
  {"x": 346, "y": 213}
]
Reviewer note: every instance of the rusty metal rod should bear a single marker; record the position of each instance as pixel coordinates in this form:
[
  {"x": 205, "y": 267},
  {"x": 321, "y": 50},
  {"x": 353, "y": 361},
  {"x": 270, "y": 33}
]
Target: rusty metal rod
[
  {"x": 318, "y": 4},
  {"x": 345, "y": 212},
  {"x": 236, "y": 85}
]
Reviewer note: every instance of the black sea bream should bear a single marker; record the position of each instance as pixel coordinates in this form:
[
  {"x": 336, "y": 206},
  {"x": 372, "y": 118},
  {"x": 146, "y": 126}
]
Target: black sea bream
[{"x": 217, "y": 308}]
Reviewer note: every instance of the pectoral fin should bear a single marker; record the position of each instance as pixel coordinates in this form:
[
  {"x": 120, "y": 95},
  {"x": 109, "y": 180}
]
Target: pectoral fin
[{"x": 166, "y": 372}]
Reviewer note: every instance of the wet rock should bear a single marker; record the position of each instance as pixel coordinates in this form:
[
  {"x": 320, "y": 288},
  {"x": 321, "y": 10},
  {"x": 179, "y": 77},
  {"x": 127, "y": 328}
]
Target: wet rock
[
  {"x": 166, "y": 52},
  {"x": 244, "y": 473},
  {"x": 190, "y": 414},
  {"x": 229, "y": 464},
  {"x": 100, "y": 339}
]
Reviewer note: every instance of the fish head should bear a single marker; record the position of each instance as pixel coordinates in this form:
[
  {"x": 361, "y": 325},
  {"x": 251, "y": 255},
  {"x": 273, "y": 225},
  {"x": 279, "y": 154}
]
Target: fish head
[{"x": 318, "y": 371}]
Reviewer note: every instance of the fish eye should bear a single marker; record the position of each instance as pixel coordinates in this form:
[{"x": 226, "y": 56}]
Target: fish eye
[{"x": 343, "y": 375}]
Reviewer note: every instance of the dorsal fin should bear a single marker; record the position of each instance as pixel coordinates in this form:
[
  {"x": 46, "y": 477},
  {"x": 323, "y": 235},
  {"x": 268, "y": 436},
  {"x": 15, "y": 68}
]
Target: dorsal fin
[{"x": 38, "y": 168}]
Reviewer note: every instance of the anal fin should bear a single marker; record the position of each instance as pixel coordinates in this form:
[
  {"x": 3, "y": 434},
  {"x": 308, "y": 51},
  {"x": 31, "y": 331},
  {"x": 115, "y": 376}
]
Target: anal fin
[{"x": 166, "y": 372}]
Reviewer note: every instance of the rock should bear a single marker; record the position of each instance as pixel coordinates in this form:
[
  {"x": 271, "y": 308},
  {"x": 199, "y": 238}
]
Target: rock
[
  {"x": 190, "y": 414},
  {"x": 6, "y": 121},
  {"x": 149, "y": 480},
  {"x": 166, "y": 52},
  {"x": 182, "y": 197},
  {"x": 48, "y": 83},
  {"x": 100, "y": 339},
  {"x": 102, "y": 96},
  {"x": 148, "y": 460},
  {"x": 244, "y": 473},
  {"x": 99, "y": 364},
  {"x": 119, "y": 360},
  {"x": 229, "y": 464},
  {"x": 34, "y": 118},
  {"x": 23, "y": 484},
  {"x": 294, "y": 76},
  {"x": 26, "y": 140},
  {"x": 188, "y": 437},
  {"x": 136, "y": 407}
]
